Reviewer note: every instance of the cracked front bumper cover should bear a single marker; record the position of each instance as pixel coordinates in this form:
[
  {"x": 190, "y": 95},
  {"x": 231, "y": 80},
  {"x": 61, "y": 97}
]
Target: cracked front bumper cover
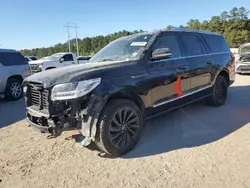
[
  {"x": 90, "y": 117},
  {"x": 83, "y": 119}
]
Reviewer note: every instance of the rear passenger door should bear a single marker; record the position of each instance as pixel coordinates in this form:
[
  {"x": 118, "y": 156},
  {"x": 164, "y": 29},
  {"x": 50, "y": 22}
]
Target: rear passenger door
[
  {"x": 198, "y": 60},
  {"x": 170, "y": 75}
]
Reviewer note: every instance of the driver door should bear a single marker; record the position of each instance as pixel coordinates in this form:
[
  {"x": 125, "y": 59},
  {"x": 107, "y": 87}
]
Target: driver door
[
  {"x": 67, "y": 60},
  {"x": 170, "y": 76}
]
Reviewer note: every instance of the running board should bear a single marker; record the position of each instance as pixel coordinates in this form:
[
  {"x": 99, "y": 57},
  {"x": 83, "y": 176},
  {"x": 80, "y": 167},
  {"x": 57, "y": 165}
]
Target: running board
[{"x": 171, "y": 109}]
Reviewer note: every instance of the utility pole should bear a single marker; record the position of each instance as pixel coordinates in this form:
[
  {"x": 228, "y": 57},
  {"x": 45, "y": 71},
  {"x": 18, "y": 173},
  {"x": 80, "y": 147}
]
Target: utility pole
[
  {"x": 68, "y": 35},
  {"x": 77, "y": 48},
  {"x": 75, "y": 27}
]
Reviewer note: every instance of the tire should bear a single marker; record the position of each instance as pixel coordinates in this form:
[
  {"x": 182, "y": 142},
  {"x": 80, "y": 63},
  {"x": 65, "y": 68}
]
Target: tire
[
  {"x": 219, "y": 92},
  {"x": 115, "y": 139},
  {"x": 14, "y": 89}
]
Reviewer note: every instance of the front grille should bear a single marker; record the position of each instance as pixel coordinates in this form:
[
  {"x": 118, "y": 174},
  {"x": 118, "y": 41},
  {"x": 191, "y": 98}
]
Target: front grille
[
  {"x": 35, "y": 68},
  {"x": 245, "y": 59},
  {"x": 39, "y": 96}
]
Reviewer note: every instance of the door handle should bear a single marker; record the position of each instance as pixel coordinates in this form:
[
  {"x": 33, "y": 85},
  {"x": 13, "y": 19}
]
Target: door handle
[
  {"x": 183, "y": 67},
  {"x": 139, "y": 76}
]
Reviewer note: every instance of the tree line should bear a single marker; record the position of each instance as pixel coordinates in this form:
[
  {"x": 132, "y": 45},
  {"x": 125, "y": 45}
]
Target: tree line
[{"x": 233, "y": 25}]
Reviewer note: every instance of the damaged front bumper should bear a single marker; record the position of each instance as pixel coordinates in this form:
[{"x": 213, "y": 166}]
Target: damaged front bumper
[{"x": 76, "y": 116}]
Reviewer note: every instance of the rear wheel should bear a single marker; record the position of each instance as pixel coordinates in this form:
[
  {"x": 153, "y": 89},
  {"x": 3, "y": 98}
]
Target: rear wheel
[
  {"x": 219, "y": 92},
  {"x": 119, "y": 127},
  {"x": 14, "y": 90}
]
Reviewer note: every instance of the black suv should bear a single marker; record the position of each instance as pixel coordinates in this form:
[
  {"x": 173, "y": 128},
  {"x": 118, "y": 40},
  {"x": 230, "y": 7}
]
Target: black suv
[{"x": 130, "y": 80}]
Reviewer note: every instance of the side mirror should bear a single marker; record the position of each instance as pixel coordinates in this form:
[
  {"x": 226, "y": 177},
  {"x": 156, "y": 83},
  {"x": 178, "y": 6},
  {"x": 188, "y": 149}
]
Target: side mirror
[
  {"x": 161, "y": 53},
  {"x": 61, "y": 60}
]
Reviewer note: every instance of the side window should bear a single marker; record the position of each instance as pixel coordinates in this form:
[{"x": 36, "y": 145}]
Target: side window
[
  {"x": 191, "y": 44},
  {"x": 168, "y": 41},
  {"x": 10, "y": 59},
  {"x": 216, "y": 43},
  {"x": 68, "y": 57}
]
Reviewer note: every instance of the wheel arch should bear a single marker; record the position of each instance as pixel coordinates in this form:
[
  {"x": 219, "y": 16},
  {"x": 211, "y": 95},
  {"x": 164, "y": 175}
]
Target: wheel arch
[
  {"x": 50, "y": 68},
  {"x": 17, "y": 76},
  {"x": 129, "y": 96},
  {"x": 225, "y": 74}
]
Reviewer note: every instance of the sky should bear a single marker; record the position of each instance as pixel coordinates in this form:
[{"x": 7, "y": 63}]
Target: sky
[{"x": 27, "y": 24}]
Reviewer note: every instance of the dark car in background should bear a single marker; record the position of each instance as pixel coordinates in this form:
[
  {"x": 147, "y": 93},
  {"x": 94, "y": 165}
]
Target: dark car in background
[{"x": 130, "y": 80}]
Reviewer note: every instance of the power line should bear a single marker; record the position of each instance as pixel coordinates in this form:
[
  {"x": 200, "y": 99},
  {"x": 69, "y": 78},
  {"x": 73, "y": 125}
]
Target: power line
[{"x": 68, "y": 26}]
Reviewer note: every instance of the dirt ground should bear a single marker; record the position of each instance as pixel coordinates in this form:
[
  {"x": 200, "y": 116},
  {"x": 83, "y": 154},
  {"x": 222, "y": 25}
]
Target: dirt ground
[{"x": 195, "y": 146}]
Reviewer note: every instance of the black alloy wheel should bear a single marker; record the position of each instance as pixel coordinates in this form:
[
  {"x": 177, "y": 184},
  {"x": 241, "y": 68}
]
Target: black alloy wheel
[
  {"x": 219, "y": 92},
  {"x": 119, "y": 127},
  {"x": 123, "y": 127}
]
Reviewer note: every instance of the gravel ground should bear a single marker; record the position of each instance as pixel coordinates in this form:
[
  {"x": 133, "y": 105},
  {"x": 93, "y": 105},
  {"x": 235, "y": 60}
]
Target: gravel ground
[{"x": 195, "y": 146}]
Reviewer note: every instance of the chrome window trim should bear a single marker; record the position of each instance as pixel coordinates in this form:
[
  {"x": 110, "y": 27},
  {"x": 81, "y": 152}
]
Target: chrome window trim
[{"x": 177, "y": 58}]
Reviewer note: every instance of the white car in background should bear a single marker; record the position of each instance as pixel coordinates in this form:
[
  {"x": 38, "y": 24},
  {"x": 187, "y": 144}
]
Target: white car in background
[
  {"x": 54, "y": 61},
  {"x": 243, "y": 62},
  {"x": 30, "y": 58}
]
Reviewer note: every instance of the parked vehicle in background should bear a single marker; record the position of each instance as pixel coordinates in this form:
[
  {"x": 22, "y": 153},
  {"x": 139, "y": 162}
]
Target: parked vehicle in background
[
  {"x": 132, "y": 79},
  {"x": 30, "y": 58},
  {"x": 14, "y": 68},
  {"x": 83, "y": 59},
  {"x": 243, "y": 63},
  {"x": 54, "y": 61}
]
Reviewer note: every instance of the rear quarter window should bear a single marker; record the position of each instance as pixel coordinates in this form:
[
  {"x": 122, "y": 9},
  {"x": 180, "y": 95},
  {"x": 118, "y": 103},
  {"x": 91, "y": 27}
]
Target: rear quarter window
[
  {"x": 12, "y": 58},
  {"x": 216, "y": 43}
]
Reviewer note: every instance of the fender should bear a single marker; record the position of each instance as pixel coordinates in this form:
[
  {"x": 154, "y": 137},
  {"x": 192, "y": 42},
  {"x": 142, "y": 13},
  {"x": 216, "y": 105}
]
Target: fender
[
  {"x": 91, "y": 115},
  {"x": 221, "y": 70}
]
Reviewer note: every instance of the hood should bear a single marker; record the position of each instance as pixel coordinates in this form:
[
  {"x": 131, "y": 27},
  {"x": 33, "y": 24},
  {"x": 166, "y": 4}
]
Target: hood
[
  {"x": 244, "y": 49},
  {"x": 39, "y": 62},
  {"x": 80, "y": 72}
]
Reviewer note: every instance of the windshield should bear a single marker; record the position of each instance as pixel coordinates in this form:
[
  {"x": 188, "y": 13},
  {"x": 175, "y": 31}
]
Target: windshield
[
  {"x": 54, "y": 56},
  {"x": 124, "y": 49}
]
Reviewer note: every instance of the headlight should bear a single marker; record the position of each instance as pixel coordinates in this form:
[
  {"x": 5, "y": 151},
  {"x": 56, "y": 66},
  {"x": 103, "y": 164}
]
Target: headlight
[{"x": 74, "y": 90}]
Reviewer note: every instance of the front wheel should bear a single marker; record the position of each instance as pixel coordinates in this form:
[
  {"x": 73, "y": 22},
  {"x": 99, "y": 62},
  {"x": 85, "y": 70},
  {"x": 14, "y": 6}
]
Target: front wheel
[
  {"x": 119, "y": 127},
  {"x": 219, "y": 92},
  {"x": 14, "y": 90}
]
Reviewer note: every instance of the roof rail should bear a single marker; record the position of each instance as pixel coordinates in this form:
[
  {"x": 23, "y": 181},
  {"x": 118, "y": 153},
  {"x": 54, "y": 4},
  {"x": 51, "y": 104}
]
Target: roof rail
[
  {"x": 193, "y": 30},
  {"x": 7, "y": 50}
]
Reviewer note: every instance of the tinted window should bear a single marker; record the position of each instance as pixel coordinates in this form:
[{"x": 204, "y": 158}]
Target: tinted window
[
  {"x": 168, "y": 41},
  {"x": 68, "y": 57},
  {"x": 33, "y": 58},
  {"x": 82, "y": 58},
  {"x": 191, "y": 44},
  {"x": 216, "y": 43},
  {"x": 8, "y": 59}
]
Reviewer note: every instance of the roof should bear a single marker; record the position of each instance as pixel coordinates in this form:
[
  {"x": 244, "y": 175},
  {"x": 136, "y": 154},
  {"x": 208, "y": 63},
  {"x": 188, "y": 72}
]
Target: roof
[
  {"x": 173, "y": 30},
  {"x": 194, "y": 31},
  {"x": 8, "y": 50}
]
